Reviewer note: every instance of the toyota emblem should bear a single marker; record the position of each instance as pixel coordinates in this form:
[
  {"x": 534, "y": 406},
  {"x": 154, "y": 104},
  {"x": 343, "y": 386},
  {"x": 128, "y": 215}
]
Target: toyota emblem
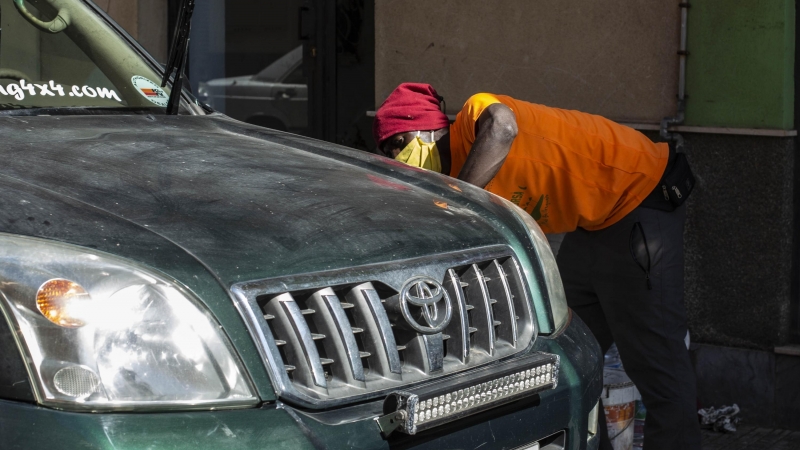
[{"x": 427, "y": 294}]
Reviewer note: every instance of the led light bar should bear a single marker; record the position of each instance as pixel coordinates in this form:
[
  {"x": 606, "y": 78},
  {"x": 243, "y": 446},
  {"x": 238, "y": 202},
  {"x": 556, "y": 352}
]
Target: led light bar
[{"x": 451, "y": 399}]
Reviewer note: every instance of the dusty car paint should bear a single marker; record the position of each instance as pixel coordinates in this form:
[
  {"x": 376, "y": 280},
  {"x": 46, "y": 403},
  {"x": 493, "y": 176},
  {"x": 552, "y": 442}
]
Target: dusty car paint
[
  {"x": 279, "y": 426},
  {"x": 210, "y": 201},
  {"x": 245, "y": 202},
  {"x": 246, "y": 207}
]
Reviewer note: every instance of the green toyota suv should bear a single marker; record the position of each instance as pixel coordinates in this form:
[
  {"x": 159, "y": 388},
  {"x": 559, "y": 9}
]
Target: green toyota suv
[{"x": 173, "y": 278}]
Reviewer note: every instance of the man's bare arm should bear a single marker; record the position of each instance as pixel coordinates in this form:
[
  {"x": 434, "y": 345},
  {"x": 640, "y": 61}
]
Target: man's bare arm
[{"x": 495, "y": 130}]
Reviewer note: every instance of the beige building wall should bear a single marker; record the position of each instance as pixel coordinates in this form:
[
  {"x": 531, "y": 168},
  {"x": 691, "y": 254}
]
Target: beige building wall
[
  {"x": 145, "y": 20},
  {"x": 617, "y": 58}
]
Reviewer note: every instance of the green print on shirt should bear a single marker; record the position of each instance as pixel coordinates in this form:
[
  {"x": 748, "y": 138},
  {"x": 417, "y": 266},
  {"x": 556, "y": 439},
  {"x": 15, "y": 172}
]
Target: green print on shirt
[
  {"x": 537, "y": 210},
  {"x": 516, "y": 197},
  {"x": 538, "y": 215}
]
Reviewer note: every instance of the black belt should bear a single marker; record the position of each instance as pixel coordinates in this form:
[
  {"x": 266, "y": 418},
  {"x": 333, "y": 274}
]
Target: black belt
[{"x": 675, "y": 185}]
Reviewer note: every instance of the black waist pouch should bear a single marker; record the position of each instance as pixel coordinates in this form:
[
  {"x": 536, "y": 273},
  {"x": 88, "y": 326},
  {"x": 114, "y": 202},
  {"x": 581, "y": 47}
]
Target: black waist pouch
[{"x": 674, "y": 188}]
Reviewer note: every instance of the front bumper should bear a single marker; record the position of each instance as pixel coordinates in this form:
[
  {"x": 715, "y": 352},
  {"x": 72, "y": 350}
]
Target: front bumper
[{"x": 277, "y": 426}]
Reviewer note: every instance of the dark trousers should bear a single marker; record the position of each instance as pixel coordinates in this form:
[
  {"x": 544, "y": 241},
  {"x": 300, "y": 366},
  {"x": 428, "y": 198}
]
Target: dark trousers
[{"x": 626, "y": 283}]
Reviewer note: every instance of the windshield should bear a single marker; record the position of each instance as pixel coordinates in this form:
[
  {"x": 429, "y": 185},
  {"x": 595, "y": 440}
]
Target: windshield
[{"x": 62, "y": 54}]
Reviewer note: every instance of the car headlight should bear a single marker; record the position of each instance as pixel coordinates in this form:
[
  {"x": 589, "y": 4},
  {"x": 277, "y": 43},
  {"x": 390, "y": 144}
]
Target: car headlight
[
  {"x": 99, "y": 332},
  {"x": 555, "y": 289}
]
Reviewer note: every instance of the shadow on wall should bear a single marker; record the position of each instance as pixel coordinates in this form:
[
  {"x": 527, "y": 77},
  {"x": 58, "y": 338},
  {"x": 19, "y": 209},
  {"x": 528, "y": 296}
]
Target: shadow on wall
[{"x": 738, "y": 240}]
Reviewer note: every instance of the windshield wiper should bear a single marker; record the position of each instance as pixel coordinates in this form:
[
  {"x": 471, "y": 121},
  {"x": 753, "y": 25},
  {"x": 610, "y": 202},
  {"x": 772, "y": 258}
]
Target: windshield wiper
[{"x": 178, "y": 52}]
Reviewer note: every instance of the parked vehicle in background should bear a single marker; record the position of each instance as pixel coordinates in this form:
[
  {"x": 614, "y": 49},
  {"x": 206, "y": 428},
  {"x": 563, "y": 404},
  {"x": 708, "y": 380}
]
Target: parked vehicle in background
[
  {"x": 192, "y": 281},
  {"x": 276, "y": 97}
]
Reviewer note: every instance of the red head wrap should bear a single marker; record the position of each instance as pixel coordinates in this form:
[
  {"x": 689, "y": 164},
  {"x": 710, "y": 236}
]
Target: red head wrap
[{"x": 410, "y": 107}]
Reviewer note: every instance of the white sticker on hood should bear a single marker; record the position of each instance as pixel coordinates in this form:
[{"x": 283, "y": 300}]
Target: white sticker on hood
[{"x": 150, "y": 90}]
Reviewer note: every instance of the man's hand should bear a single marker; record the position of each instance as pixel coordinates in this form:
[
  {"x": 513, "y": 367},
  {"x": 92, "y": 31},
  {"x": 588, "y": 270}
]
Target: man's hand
[{"x": 495, "y": 130}]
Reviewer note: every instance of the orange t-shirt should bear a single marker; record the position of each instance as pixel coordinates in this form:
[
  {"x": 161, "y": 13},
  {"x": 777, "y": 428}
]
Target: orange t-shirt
[{"x": 567, "y": 169}]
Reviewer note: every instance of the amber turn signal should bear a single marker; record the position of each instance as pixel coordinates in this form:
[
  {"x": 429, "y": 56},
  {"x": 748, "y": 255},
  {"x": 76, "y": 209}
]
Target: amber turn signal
[{"x": 60, "y": 301}]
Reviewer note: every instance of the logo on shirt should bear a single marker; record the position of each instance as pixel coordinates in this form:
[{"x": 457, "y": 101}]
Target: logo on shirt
[
  {"x": 540, "y": 209},
  {"x": 540, "y": 212},
  {"x": 537, "y": 210},
  {"x": 516, "y": 197}
]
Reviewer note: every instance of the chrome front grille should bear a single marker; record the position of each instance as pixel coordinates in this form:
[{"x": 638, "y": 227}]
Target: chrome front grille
[{"x": 335, "y": 336}]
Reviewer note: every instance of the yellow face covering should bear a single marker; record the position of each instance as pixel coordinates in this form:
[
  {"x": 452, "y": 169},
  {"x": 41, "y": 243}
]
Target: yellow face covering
[{"x": 421, "y": 154}]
